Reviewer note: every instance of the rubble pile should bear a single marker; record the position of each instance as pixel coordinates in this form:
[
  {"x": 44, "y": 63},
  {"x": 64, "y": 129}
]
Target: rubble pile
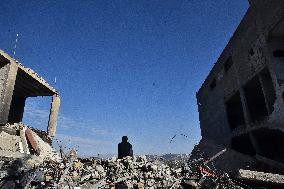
[
  {"x": 129, "y": 172},
  {"x": 95, "y": 173},
  {"x": 20, "y": 141},
  {"x": 27, "y": 160}
]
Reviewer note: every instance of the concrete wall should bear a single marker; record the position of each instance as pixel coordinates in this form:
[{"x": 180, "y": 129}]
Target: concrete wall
[
  {"x": 212, "y": 110},
  {"x": 7, "y": 92},
  {"x": 3, "y": 76}
]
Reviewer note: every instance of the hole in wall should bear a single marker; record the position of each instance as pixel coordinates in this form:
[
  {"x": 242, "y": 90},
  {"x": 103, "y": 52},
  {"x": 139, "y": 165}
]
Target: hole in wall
[
  {"x": 213, "y": 84},
  {"x": 280, "y": 81},
  {"x": 255, "y": 100},
  {"x": 268, "y": 89},
  {"x": 251, "y": 52},
  {"x": 235, "y": 113},
  {"x": 270, "y": 143},
  {"x": 243, "y": 145},
  {"x": 278, "y": 53}
]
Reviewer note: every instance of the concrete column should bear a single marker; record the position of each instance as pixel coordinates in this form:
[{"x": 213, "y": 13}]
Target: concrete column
[
  {"x": 243, "y": 98},
  {"x": 245, "y": 107},
  {"x": 266, "y": 96},
  {"x": 276, "y": 85},
  {"x": 54, "y": 110},
  {"x": 7, "y": 94}
]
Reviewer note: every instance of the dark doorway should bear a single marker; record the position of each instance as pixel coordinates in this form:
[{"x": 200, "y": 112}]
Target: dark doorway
[
  {"x": 235, "y": 113},
  {"x": 255, "y": 100},
  {"x": 243, "y": 145},
  {"x": 270, "y": 143},
  {"x": 278, "y": 53}
]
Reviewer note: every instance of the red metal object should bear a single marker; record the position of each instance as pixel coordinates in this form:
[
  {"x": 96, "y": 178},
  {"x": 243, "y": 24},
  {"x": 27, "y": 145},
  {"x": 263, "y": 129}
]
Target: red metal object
[{"x": 206, "y": 171}]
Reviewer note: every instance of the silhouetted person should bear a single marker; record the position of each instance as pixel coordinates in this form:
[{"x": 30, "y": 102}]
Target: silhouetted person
[{"x": 124, "y": 148}]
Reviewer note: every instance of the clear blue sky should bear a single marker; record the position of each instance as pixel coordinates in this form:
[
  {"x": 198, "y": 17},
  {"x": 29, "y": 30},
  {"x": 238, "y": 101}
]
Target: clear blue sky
[{"x": 122, "y": 67}]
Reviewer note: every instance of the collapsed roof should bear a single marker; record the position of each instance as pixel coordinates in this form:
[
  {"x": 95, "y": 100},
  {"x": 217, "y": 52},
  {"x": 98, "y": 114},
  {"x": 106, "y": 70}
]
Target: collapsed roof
[{"x": 18, "y": 83}]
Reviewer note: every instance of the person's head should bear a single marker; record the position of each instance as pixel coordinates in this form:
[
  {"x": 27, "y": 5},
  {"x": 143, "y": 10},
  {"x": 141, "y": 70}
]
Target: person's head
[{"x": 124, "y": 139}]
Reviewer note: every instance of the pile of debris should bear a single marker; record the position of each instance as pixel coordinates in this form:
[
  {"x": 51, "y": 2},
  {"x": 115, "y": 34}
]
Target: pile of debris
[
  {"x": 129, "y": 172},
  {"x": 27, "y": 160},
  {"x": 22, "y": 150},
  {"x": 20, "y": 141}
]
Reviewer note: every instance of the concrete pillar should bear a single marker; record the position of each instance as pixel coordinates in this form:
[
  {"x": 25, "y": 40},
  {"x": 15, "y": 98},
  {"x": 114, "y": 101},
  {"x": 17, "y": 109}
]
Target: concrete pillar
[
  {"x": 7, "y": 93},
  {"x": 54, "y": 110},
  {"x": 247, "y": 115},
  {"x": 265, "y": 94},
  {"x": 245, "y": 107}
]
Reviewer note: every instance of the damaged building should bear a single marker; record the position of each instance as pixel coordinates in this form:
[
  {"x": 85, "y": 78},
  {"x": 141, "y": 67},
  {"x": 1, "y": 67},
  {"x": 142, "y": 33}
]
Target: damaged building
[
  {"x": 17, "y": 83},
  {"x": 241, "y": 102}
]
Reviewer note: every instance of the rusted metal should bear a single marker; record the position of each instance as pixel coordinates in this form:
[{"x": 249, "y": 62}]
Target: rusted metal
[
  {"x": 32, "y": 141},
  {"x": 215, "y": 156}
]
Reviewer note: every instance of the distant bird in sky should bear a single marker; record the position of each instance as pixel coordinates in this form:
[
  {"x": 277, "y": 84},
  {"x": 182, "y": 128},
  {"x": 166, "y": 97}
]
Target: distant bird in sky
[{"x": 173, "y": 138}]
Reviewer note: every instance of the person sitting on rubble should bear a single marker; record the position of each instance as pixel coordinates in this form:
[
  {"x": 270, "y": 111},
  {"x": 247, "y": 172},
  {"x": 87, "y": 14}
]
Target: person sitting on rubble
[{"x": 124, "y": 148}]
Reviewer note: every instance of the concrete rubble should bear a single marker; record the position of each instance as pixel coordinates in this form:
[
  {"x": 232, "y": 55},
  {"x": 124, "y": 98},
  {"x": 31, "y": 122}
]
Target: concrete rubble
[
  {"x": 44, "y": 168},
  {"x": 27, "y": 160},
  {"x": 261, "y": 176},
  {"x": 241, "y": 115}
]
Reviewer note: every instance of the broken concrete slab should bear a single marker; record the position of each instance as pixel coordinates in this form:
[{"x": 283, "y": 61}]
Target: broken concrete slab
[
  {"x": 261, "y": 177},
  {"x": 24, "y": 140},
  {"x": 9, "y": 142},
  {"x": 32, "y": 141}
]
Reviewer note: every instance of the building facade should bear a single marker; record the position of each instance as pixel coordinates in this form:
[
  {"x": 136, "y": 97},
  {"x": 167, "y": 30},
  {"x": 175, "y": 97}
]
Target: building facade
[
  {"x": 17, "y": 83},
  {"x": 241, "y": 102}
]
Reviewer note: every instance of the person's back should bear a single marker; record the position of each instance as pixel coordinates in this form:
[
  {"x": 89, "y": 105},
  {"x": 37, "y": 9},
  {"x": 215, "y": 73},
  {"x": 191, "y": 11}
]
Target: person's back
[{"x": 124, "y": 148}]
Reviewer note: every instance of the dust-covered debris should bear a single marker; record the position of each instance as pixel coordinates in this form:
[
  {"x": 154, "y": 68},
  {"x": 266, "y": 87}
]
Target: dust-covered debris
[
  {"x": 261, "y": 176},
  {"x": 129, "y": 172},
  {"x": 27, "y": 160}
]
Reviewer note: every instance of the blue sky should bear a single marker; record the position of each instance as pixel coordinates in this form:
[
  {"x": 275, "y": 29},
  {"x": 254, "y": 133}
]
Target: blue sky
[{"x": 121, "y": 67}]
